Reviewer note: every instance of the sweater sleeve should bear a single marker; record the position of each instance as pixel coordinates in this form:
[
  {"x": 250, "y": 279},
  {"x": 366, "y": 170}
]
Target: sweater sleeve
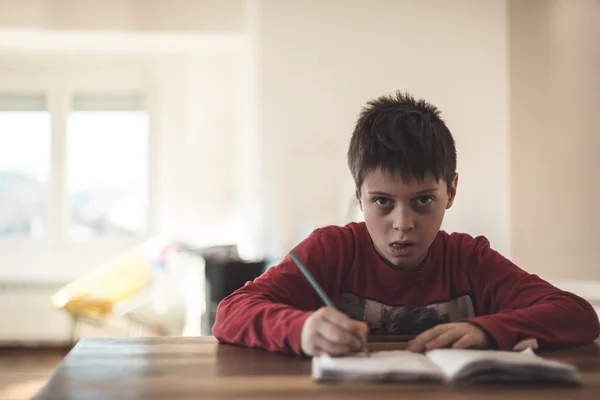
[
  {"x": 513, "y": 305},
  {"x": 270, "y": 311}
]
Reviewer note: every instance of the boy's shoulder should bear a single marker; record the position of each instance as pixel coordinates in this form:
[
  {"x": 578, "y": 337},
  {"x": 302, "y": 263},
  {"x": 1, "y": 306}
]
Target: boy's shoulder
[
  {"x": 335, "y": 241},
  {"x": 461, "y": 243},
  {"x": 351, "y": 232},
  {"x": 340, "y": 237},
  {"x": 461, "y": 239}
]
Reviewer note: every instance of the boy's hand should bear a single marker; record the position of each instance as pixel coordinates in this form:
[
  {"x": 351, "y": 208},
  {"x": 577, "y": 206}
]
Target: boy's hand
[
  {"x": 329, "y": 331},
  {"x": 458, "y": 335}
]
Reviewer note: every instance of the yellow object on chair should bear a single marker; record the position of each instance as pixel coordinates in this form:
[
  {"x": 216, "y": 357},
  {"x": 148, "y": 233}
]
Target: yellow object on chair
[{"x": 93, "y": 295}]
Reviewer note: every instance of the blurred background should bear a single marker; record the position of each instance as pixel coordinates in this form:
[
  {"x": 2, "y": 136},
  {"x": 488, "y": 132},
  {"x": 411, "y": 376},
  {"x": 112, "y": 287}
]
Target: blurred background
[{"x": 220, "y": 128}]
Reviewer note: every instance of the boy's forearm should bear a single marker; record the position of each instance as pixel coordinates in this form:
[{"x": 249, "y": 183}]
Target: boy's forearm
[
  {"x": 270, "y": 311},
  {"x": 558, "y": 320},
  {"x": 254, "y": 321}
]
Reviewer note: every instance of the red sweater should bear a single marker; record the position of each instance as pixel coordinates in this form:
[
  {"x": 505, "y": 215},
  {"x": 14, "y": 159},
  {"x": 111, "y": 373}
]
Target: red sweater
[{"x": 463, "y": 279}]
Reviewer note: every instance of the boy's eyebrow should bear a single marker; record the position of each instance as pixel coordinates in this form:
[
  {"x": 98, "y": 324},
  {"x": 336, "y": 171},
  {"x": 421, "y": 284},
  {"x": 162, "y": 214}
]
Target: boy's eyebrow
[
  {"x": 379, "y": 193},
  {"x": 425, "y": 191}
]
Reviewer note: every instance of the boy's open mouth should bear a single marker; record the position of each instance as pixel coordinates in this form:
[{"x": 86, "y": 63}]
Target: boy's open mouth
[
  {"x": 404, "y": 248},
  {"x": 402, "y": 245}
]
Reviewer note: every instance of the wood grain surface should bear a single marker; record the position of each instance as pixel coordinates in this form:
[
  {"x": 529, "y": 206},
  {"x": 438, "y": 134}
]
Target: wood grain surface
[{"x": 185, "y": 367}]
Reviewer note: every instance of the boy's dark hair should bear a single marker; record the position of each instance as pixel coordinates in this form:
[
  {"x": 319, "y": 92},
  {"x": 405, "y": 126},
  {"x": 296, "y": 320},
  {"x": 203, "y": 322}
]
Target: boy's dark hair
[{"x": 401, "y": 134}]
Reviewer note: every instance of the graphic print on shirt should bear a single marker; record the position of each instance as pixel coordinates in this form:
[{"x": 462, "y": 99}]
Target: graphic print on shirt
[{"x": 385, "y": 319}]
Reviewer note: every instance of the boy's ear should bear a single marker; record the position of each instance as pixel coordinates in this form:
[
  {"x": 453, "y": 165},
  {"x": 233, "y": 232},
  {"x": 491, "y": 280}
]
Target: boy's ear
[
  {"x": 357, "y": 194},
  {"x": 452, "y": 191}
]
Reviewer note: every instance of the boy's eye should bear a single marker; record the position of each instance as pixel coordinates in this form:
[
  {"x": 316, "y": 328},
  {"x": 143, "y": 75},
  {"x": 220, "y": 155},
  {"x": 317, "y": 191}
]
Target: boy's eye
[
  {"x": 382, "y": 201},
  {"x": 423, "y": 200}
]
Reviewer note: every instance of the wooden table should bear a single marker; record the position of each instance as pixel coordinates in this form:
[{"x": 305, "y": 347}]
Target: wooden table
[{"x": 184, "y": 367}]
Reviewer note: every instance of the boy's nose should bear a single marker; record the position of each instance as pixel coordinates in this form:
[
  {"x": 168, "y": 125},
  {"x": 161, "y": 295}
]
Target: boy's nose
[{"x": 403, "y": 220}]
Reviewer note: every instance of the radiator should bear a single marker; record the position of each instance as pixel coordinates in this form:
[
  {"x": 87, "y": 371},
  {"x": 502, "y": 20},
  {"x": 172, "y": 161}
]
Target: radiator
[{"x": 27, "y": 316}]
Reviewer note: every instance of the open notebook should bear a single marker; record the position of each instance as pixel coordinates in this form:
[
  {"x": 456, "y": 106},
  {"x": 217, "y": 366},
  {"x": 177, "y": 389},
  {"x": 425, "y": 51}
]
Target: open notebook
[{"x": 446, "y": 365}]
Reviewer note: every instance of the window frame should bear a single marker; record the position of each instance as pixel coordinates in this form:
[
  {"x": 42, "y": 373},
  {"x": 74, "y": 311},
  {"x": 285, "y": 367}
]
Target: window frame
[{"x": 59, "y": 86}]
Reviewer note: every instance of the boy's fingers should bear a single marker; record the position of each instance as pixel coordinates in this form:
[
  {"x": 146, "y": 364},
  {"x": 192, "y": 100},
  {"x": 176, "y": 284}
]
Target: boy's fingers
[
  {"x": 364, "y": 329},
  {"x": 323, "y": 345},
  {"x": 418, "y": 343},
  {"x": 342, "y": 320},
  {"x": 338, "y": 318},
  {"x": 464, "y": 342},
  {"x": 335, "y": 334},
  {"x": 445, "y": 339},
  {"x": 361, "y": 330}
]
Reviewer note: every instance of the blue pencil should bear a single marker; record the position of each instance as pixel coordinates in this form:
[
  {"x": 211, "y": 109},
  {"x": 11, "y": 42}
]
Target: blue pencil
[
  {"x": 312, "y": 282},
  {"x": 317, "y": 288}
]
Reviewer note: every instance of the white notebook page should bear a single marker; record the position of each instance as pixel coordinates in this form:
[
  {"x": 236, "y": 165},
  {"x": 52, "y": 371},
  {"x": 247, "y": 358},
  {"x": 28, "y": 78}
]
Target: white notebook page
[
  {"x": 451, "y": 361},
  {"x": 380, "y": 362}
]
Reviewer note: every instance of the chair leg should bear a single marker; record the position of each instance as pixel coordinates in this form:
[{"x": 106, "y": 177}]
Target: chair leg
[{"x": 74, "y": 329}]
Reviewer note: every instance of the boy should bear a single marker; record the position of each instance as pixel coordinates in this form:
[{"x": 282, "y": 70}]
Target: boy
[{"x": 397, "y": 273}]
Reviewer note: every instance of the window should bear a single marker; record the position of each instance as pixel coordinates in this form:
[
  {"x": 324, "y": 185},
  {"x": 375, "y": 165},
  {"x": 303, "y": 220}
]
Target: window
[
  {"x": 25, "y": 127},
  {"x": 107, "y": 167},
  {"x": 76, "y": 158},
  {"x": 74, "y": 166}
]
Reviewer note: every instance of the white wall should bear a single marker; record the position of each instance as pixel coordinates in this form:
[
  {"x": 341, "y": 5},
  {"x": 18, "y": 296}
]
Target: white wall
[
  {"x": 555, "y": 100},
  {"x": 197, "y": 150},
  {"x": 208, "y": 16},
  {"x": 319, "y": 61}
]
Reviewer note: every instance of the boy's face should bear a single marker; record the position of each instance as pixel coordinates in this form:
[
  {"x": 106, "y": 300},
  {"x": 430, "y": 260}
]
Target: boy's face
[{"x": 403, "y": 218}]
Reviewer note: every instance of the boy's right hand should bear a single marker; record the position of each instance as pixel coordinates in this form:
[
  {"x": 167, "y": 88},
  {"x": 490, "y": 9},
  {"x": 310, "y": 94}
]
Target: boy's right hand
[{"x": 329, "y": 331}]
